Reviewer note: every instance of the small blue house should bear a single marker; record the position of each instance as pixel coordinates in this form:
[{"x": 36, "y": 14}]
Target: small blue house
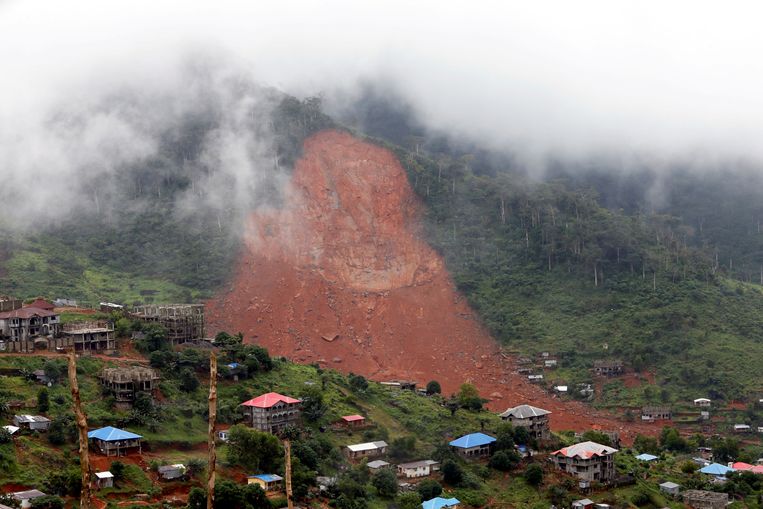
[
  {"x": 268, "y": 482},
  {"x": 440, "y": 503},
  {"x": 716, "y": 469},
  {"x": 114, "y": 441},
  {"x": 473, "y": 445}
]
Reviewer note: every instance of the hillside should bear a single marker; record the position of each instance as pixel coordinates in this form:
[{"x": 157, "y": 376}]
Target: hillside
[{"x": 543, "y": 266}]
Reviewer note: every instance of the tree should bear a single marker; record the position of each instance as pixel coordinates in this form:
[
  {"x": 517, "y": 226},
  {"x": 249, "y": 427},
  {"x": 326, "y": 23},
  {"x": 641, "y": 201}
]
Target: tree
[
  {"x": 429, "y": 489},
  {"x": 521, "y": 435},
  {"x": 452, "y": 473},
  {"x": 253, "y": 450},
  {"x": 469, "y": 397},
  {"x": 5, "y": 436},
  {"x": 672, "y": 441},
  {"x": 313, "y": 407},
  {"x": 255, "y": 497},
  {"x": 533, "y": 474},
  {"x": 189, "y": 382},
  {"x": 598, "y": 437},
  {"x": 43, "y": 401},
  {"x": 504, "y": 437},
  {"x": 402, "y": 448},
  {"x": 433, "y": 387},
  {"x": 197, "y": 498},
  {"x": 54, "y": 370},
  {"x": 385, "y": 482},
  {"x": 358, "y": 383},
  {"x": 156, "y": 339},
  {"x": 504, "y": 460},
  {"x": 47, "y": 502},
  {"x": 117, "y": 469},
  {"x": 228, "y": 495},
  {"x": 645, "y": 444},
  {"x": 410, "y": 500}
]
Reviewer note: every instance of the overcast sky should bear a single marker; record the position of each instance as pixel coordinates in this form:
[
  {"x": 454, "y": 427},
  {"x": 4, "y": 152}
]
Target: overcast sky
[{"x": 673, "y": 78}]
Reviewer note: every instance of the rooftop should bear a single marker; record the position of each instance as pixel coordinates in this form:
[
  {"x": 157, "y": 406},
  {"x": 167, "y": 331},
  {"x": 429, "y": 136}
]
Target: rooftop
[
  {"x": 268, "y": 400},
  {"x": 585, "y": 450},
  {"x": 31, "y": 418},
  {"x": 367, "y": 446},
  {"x": 472, "y": 440},
  {"x": 266, "y": 477},
  {"x": 353, "y": 418},
  {"x": 111, "y": 434},
  {"x": 26, "y": 313},
  {"x": 524, "y": 412},
  {"x": 439, "y": 503}
]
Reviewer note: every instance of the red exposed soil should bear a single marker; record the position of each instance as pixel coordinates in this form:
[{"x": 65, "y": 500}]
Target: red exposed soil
[{"x": 339, "y": 275}]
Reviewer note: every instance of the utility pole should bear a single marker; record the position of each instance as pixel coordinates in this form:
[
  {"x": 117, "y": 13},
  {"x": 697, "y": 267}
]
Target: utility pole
[
  {"x": 81, "y": 419},
  {"x": 211, "y": 436},
  {"x": 287, "y": 453}
]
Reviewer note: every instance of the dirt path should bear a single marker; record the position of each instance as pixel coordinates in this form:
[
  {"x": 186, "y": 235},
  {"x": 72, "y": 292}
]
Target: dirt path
[{"x": 340, "y": 276}]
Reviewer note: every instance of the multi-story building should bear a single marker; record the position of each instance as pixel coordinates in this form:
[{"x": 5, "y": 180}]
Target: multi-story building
[
  {"x": 183, "y": 322},
  {"x": 272, "y": 412},
  {"x": 126, "y": 383},
  {"x": 90, "y": 336},
  {"x": 29, "y": 328},
  {"x": 533, "y": 418},
  {"x": 587, "y": 460}
]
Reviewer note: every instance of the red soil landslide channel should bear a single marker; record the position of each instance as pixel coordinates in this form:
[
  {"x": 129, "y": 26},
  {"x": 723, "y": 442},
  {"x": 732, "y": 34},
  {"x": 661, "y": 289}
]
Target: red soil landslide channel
[{"x": 340, "y": 276}]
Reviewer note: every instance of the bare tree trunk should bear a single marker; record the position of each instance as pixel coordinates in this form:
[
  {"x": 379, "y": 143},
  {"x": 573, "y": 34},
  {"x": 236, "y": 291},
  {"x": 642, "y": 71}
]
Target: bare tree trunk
[
  {"x": 81, "y": 419},
  {"x": 287, "y": 453},
  {"x": 595, "y": 275},
  {"x": 211, "y": 438}
]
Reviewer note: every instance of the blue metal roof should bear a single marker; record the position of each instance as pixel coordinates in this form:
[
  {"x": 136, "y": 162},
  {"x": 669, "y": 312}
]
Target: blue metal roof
[
  {"x": 111, "y": 434},
  {"x": 716, "y": 469},
  {"x": 439, "y": 503},
  {"x": 472, "y": 440},
  {"x": 646, "y": 457},
  {"x": 234, "y": 365},
  {"x": 266, "y": 477}
]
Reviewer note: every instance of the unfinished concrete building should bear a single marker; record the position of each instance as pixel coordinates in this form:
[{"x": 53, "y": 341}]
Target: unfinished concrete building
[
  {"x": 183, "y": 322},
  {"x": 126, "y": 383},
  {"x": 90, "y": 336},
  {"x": 8, "y": 303}
]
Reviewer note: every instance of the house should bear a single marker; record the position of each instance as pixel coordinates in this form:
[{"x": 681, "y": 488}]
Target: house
[
  {"x": 585, "y": 503},
  {"x": 93, "y": 336},
  {"x": 110, "y": 307},
  {"x": 549, "y": 363},
  {"x": 670, "y": 488},
  {"x": 760, "y": 429},
  {"x": 366, "y": 450},
  {"x": 473, "y": 445},
  {"x": 125, "y": 383},
  {"x": 183, "y": 322},
  {"x": 65, "y": 303},
  {"x": 40, "y": 376},
  {"x": 740, "y": 465},
  {"x": 587, "y": 460},
  {"x": 701, "y": 499},
  {"x": 27, "y": 329},
  {"x": 272, "y": 412},
  {"x": 171, "y": 472},
  {"x": 716, "y": 470},
  {"x": 561, "y": 389},
  {"x": 533, "y": 418},
  {"x": 535, "y": 379},
  {"x": 31, "y": 422},
  {"x": 352, "y": 421},
  {"x": 742, "y": 428},
  {"x": 104, "y": 480},
  {"x": 222, "y": 435},
  {"x": 114, "y": 441},
  {"x": 41, "y": 303},
  {"x": 440, "y": 503},
  {"x": 646, "y": 457},
  {"x": 377, "y": 465},
  {"x": 25, "y": 497},
  {"x": 656, "y": 413},
  {"x": 608, "y": 367},
  {"x": 417, "y": 468},
  {"x": 268, "y": 482},
  {"x": 11, "y": 429},
  {"x": 702, "y": 402},
  {"x": 236, "y": 370},
  {"x": 405, "y": 385}
]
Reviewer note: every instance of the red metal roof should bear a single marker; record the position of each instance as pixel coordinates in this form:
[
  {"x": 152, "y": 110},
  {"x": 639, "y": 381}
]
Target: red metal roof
[
  {"x": 41, "y": 304},
  {"x": 353, "y": 418},
  {"x": 26, "y": 313},
  {"x": 740, "y": 465},
  {"x": 268, "y": 400}
]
